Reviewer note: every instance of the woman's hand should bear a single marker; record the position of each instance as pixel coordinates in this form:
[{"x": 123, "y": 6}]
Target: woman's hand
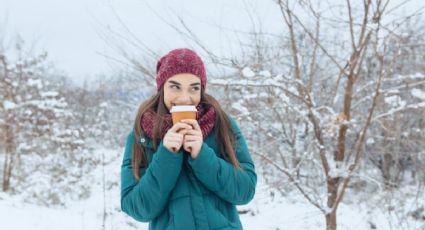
[
  {"x": 193, "y": 139},
  {"x": 173, "y": 139}
]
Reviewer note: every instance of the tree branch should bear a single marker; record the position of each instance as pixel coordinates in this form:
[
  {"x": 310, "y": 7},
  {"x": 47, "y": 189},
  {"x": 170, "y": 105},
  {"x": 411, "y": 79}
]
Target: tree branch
[{"x": 292, "y": 179}]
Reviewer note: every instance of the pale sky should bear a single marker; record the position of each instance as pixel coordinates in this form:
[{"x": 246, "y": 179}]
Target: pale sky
[{"x": 68, "y": 29}]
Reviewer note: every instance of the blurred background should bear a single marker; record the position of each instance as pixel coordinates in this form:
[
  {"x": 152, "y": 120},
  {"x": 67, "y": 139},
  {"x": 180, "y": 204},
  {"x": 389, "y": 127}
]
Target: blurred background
[{"x": 330, "y": 96}]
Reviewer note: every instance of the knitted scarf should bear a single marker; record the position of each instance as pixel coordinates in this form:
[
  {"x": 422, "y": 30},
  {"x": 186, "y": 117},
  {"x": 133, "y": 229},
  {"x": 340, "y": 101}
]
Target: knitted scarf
[{"x": 205, "y": 117}]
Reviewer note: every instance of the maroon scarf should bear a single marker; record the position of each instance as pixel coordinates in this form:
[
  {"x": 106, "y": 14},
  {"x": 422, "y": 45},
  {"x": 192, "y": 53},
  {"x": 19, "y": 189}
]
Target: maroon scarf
[{"x": 205, "y": 117}]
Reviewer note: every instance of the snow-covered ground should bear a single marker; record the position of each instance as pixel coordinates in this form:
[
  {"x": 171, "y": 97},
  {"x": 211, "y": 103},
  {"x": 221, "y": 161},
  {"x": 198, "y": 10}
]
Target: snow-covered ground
[{"x": 264, "y": 212}]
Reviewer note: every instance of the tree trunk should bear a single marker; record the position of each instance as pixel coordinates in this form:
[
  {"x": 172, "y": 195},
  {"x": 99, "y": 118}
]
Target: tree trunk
[
  {"x": 332, "y": 185},
  {"x": 7, "y": 166},
  {"x": 386, "y": 169},
  {"x": 331, "y": 221},
  {"x": 5, "y": 184},
  {"x": 103, "y": 191}
]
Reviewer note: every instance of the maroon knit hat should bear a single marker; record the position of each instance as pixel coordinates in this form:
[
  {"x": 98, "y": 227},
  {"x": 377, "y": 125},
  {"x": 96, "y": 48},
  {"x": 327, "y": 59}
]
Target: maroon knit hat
[{"x": 180, "y": 61}]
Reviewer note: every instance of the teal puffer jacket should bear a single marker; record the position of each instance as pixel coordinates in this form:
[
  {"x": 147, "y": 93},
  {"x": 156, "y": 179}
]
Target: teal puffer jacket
[{"x": 177, "y": 192}]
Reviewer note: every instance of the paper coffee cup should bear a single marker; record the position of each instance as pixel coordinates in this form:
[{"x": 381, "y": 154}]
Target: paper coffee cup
[{"x": 181, "y": 112}]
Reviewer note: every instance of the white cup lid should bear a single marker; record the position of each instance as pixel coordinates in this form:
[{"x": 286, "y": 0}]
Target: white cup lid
[{"x": 183, "y": 108}]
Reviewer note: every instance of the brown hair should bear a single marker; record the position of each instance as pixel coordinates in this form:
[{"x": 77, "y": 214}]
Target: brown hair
[{"x": 223, "y": 133}]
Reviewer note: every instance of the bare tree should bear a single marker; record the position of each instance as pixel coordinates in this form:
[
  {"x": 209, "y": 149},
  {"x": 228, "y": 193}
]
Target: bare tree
[
  {"x": 324, "y": 100},
  {"x": 311, "y": 98},
  {"x": 22, "y": 116}
]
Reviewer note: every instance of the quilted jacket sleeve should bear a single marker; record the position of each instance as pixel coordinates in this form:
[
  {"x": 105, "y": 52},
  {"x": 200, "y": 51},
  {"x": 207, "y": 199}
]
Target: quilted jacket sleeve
[
  {"x": 145, "y": 199},
  {"x": 235, "y": 185}
]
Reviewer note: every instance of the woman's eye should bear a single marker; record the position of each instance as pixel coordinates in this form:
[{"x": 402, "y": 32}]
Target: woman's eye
[
  {"x": 174, "y": 87},
  {"x": 196, "y": 88}
]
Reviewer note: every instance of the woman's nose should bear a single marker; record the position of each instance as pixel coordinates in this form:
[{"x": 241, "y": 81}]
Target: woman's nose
[{"x": 184, "y": 99}]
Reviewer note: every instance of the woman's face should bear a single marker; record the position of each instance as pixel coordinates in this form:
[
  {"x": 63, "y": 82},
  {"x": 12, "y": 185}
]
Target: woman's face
[{"x": 182, "y": 89}]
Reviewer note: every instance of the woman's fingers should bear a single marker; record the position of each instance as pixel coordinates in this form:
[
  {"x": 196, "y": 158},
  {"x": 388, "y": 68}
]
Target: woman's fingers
[
  {"x": 174, "y": 136},
  {"x": 192, "y": 142},
  {"x": 193, "y": 123},
  {"x": 188, "y": 148},
  {"x": 193, "y": 132},
  {"x": 173, "y": 140},
  {"x": 180, "y": 126},
  {"x": 192, "y": 138},
  {"x": 187, "y": 134}
]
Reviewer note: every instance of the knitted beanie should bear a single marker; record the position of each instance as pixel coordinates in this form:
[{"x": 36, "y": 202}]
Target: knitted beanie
[{"x": 180, "y": 61}]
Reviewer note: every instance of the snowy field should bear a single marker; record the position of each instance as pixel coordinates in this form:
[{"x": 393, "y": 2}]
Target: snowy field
[{"x": 264, "y": 212}]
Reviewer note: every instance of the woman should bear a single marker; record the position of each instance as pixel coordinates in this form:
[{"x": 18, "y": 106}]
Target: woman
[{"x": 198, "y": 185}]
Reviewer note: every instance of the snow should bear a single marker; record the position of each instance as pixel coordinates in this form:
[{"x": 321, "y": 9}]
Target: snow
[
  {"x": 247, "y": 72},
  {"x": 23, "y": 146},
  {"x": 417, "y": 76},
  {"x": 238, "y": 106},
  {"x": 256, "y": 95},
  {"x": 337, "y": 169},
  {"x": 9, "y": 105},
  {"x": 283, "y": 98},
  {"x": 37, "y": 83},
  {"x": 395, "y": 101},
  {"x": 370, "y": 141},
  {"x": 219, "y": 81},
  {"x": 84, "y": 216},
  {"x": 49, "y": 94},
  {"x": 392, "y": 91},
  {"x": 248, "y": 82},
  {"x": 418, "y": 93},
  {"x": 265, "y": 73},
  {"x": 269, "y": 209}
]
